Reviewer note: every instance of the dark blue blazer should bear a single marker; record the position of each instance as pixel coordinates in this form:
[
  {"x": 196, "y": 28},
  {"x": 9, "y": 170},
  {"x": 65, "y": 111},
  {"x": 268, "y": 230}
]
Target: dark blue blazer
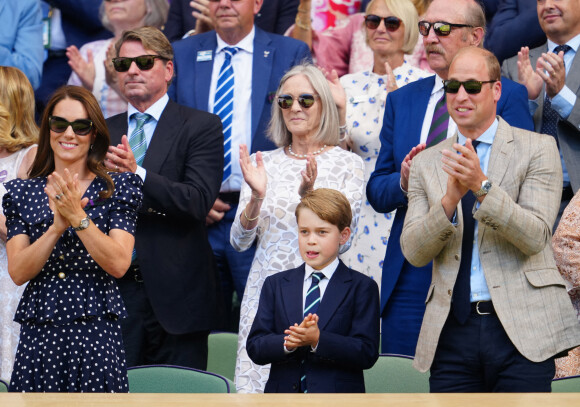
[
  {"x": 275, "y": 16},
  {"x": 514, "y": 25},
  {"x": 402, "y": 123},
  {"x": 349, "y": 332},
  {"x": 273, "y": 56}
]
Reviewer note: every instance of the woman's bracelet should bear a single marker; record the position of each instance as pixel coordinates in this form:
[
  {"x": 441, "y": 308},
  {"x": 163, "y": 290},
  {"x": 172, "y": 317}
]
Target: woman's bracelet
[
  {"x": 302, "y": 25},
  {"x": 250, "y": 219},
  {"x": 257, "y": 198}
]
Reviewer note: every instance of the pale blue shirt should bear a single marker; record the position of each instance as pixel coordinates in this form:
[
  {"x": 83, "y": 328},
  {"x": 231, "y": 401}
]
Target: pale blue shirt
[
  {"x": 479, "y": 290},
  {"x": 564, "y": 101},
  {"x": 155, "y": 110}
]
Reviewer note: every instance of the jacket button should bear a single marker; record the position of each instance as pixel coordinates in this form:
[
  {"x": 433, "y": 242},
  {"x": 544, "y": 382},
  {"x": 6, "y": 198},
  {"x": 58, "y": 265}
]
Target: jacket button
[
  {"x": 449, "y": 292},
  {"x": 457, "y": 257}
]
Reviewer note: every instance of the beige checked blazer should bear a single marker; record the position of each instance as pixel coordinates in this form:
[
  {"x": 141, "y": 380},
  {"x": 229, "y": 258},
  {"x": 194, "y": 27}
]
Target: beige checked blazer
[{"x": 515, "y": 223}]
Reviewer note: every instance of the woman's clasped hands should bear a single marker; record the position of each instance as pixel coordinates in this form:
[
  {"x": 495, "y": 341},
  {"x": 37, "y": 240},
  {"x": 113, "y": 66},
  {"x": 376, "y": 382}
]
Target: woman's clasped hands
[{"x": 65, "y": 199}]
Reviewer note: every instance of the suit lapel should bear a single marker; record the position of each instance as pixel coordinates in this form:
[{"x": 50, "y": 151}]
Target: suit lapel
[
  {"x": 501, "y": 152},
  {"x": 292, "y": 287},
  {"x": 263, "y": 59},
  {"x": 573, "y": 76},
  {"x": 418, "y": 108},
  {"x": 117, "y": 127},
  {"x": 338, "y": 287},
  {"x": 166, "y": 131},
  {"x": 203, "y": 71}
]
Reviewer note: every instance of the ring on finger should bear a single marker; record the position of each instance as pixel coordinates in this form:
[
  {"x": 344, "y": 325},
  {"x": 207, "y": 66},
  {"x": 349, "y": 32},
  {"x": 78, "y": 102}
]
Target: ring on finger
[{"x": 58, "y": 196}]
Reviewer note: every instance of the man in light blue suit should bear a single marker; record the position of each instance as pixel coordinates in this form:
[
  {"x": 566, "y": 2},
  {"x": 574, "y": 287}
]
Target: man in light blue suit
[
  {"x": 258, "y": 61},
  {"x": 448, "y": 26}
]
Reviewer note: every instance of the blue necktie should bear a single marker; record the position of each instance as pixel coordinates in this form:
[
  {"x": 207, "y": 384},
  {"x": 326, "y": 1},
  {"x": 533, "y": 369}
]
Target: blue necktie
[
  {"x": 224, "y": 106},
  {"x": 137, "y": 139},
  {"x": 310, "y": 307},
  {"x": 550, "y": 117},
  {"x": 462, "y": 290}
]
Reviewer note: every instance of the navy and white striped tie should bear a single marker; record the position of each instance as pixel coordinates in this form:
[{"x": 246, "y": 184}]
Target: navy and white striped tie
[
  {"x": 224, "y": 106},
  {"x": 310, "y": 307}
]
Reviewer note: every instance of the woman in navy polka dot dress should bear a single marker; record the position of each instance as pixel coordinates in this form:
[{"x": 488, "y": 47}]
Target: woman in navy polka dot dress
[{"x": 70, "y": 234}]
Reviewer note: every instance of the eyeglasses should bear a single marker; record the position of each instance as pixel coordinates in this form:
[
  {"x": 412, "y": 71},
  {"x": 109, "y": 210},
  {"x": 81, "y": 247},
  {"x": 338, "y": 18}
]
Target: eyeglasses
[
  {"x": 81, "y": 127},
  {"x": 392, "y": 23},
  {"x": 306, "y": 100},
  {"x": 143, "y": 62},
  {"x": 441, "y": 28},
  {"x": 472, "y": 87}
]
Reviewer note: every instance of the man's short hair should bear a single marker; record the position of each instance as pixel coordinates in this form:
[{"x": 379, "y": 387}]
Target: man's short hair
[
  {"x": 491, "y": 62},
  {"x": 151, "y": 38},
  {"x": 329, "y": 205}
]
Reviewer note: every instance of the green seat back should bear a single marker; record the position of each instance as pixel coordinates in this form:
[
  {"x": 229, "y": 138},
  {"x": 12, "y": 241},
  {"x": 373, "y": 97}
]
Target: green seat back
[
  {"x": 175, "y": 379},
  {"x": 566, "y": 385},
  {"x": 3, "y": 387},
  {"x": 222, "y": 352},
  {"x": 395, "y": 374}
]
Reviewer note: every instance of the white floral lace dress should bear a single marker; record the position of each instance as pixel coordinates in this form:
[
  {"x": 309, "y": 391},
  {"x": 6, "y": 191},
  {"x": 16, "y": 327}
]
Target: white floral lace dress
[
  {"x": 366, "y": 94},
  {"x": 10, "y": 293},
  {"x": 277, "y": 234}
]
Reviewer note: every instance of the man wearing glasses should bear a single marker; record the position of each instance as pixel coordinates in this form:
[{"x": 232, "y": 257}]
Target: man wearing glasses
[
  {"x": 416, "y": 116},
  {"x": 481, "y": 207},
  {"x": 171, "y": 289},
  {"x": 233, "y": 71},
  {"x": 551, "y": 74}
]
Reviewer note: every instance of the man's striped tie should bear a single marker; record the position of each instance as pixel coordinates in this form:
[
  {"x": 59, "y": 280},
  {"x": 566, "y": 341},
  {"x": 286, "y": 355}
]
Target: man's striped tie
[
  {"x": 310, "y": 307},
  {"x": 224, "y": 106},
  {"x": 439, "y": 124},
  {"x": 137, "y": 140}
]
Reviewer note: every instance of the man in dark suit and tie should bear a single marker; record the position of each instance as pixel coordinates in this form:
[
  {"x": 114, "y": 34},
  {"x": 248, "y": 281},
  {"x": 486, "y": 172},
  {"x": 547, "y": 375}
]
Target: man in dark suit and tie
[
  {"x": 415, "y": 116},
  {"x": 253, "y": 62},
  {"x": 551, "y": 74},
  {"x": 171, "y": 290}
]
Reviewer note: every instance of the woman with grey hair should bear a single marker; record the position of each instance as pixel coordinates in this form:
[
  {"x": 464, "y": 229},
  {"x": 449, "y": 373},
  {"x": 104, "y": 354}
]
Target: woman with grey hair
[
  {"x": 93, "y": 67},
  {"x": 305, "y": 127},
  {"x": 391, "y": 32}
]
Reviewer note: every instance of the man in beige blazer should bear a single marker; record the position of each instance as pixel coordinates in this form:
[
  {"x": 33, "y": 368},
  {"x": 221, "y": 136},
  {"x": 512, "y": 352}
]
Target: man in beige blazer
[{"x": 497, "y": 309}]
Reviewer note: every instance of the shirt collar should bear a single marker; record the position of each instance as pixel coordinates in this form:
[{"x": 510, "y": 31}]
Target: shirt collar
[
  {"x": 574, "y": 43},
  {"x": 328, "y": 271},
  {"x": 155, "y": 110},
  {"x": 487, "y": 137},
  {"x": 438, "y": 84},
  {"x": 246, "y": 44}
]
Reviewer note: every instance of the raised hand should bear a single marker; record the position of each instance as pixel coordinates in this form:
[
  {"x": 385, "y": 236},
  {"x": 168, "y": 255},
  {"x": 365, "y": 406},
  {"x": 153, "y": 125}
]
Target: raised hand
[
  {"x": 121, "y": 158},
  {"x": 255, "y": 176},
  {"x": 527, "y": 76},
  {"x": 550, "y": 67},
  {"x": 84, "y": 69},
  {"x": 406, "y": 164},
  {"x": 308, "y": 175},
  {"x": 391, "y": 80}
]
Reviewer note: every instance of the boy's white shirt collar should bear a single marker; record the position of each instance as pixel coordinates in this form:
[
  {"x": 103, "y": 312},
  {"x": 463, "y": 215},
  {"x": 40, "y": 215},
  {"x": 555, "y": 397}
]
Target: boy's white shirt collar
[{"x": 328, "y": 271}]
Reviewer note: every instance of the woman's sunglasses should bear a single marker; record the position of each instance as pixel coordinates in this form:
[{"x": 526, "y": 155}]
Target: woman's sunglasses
[
  {"x": 392, "y": 23},
  {"x": 441, "y": 28},
  {"x": 143, "y": 62},
  {"x": 81, "y": 127},
  {"x": 472, "y": 87},
  {"x": 306, "y": 100}
]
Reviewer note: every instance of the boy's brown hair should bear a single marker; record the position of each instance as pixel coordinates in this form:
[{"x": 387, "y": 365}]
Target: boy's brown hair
[{"x": 329, "y": 205}]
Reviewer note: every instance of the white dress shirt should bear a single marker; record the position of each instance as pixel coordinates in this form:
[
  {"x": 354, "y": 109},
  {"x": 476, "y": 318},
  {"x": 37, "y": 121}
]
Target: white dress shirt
[{"x": 242, "y": 63}]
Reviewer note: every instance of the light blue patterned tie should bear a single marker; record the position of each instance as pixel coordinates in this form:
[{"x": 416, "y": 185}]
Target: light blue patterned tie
[
  {"x": 310, "y": 307},
  {"x": 137, "y": 140},
  {"x": 224, "y": 106}
]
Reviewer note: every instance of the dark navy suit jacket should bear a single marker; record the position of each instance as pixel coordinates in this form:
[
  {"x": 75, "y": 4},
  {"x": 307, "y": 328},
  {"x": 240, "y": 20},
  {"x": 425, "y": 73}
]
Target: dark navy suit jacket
[
  {"x": 402, "y": 123},
  {"x": 349, "y": 332},
  {"x": 273, "y": 56}
]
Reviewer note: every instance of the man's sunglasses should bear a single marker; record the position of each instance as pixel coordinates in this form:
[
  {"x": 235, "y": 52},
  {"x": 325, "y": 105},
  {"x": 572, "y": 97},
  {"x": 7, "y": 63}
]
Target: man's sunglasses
[
  {"x": 143, "y": 62},
  {"x": 81, "y": 127},
  {"x": 306, "y": 100},
  {"x": 472, "y": 87},
  {"x": 392, "y": 23},
  {"x": 441, "y": 28}
]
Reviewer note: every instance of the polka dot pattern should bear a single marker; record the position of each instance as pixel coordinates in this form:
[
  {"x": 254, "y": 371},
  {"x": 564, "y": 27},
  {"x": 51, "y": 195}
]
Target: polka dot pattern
[{"x": 82, "y": 309}]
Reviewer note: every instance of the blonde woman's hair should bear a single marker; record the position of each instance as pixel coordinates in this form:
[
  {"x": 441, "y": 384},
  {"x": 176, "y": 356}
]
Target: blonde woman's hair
[
  {"x": 18, "y": 129},
  {"x": 406, "y": 11}
]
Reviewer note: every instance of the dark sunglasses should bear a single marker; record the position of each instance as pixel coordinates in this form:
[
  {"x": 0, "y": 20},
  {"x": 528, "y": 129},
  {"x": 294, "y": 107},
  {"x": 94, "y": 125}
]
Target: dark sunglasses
[
  {"x": 81, "y": 127},
  {"x": 472, "y": 87},
  {"x": 441, "y": 28},
  {"x": 306, "y": 100},
  {"x": 392, "y": 23},
  {"x": 143, "y": 62}
]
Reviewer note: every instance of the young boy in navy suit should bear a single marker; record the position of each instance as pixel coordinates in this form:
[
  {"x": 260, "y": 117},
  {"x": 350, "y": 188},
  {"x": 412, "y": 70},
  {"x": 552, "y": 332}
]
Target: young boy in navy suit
[{"x": 318, "y": 324}]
